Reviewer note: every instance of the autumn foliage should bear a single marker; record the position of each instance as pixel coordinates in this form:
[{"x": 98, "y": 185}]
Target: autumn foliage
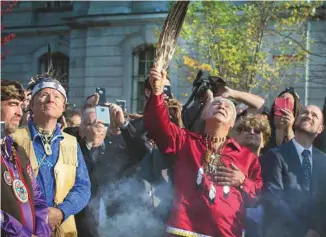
[
  {"x": 237, "y": 41},
  {"x": 6, "y": 8}
]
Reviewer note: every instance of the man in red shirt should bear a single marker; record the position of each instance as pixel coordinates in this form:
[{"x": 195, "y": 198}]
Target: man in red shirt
[{"x": 214, "y": 177}]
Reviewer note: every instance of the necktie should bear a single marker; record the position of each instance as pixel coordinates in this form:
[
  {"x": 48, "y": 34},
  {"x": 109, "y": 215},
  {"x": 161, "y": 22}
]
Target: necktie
[{"x": 306, "y": 168}]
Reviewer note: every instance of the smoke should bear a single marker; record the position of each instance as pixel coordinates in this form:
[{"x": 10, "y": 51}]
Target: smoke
[{"x": 130, "y": 211}]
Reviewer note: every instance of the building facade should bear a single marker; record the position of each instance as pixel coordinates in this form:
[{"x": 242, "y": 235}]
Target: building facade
[{"x": 109, "y": 44}]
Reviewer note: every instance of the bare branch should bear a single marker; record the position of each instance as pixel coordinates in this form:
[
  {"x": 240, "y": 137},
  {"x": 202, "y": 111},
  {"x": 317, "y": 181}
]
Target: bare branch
[{"x": 297, "y": 42}]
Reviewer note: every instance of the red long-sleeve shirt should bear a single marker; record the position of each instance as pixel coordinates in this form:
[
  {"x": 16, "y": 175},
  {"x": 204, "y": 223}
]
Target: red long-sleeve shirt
[{"x": 192, "y": 211}]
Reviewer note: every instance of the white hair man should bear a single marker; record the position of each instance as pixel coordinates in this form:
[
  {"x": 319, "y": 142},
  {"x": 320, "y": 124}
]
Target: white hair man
[
  {"x": 213, "y": 174},
  {"x": 55, "y": 156}
]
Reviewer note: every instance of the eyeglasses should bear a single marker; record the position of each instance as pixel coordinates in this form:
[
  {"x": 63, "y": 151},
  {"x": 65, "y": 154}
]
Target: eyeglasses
[{"x": 250, "y": 130}]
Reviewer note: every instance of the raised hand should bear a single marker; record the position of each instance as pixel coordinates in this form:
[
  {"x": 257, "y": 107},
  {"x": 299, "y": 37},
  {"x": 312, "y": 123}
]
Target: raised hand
[
  {"x": 93, "y": 100},
  {"x": 228, "y": 93},
  {"x": 156, "y": 79},
  {"x": 287, "y": 118},
  {"x": 117, "y": 114}
]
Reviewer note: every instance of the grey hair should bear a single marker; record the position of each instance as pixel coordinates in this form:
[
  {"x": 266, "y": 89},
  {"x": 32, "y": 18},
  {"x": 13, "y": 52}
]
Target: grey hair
[
  {"x": 86, "y": 112},
  {"x": 219, "y": 98}
]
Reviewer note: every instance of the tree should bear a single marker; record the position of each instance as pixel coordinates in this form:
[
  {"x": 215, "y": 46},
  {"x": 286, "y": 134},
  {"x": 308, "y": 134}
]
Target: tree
[
  {"x": 236, "y": 41},
  {"x": 6, "y": 7}
]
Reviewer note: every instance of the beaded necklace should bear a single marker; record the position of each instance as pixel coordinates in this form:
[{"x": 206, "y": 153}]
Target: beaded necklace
[
  {"x": 13, "y": 179},
  {"x": 212, "y": 155},
  {"x": 46, "y": 138},
  {"x": 12, "y": 156}
]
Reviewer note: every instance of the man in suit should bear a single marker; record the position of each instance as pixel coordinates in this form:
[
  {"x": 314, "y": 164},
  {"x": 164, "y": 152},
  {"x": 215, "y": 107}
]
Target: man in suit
[
  {"x": 294, "y": 177},
  {"x": 320, "y": 141}
]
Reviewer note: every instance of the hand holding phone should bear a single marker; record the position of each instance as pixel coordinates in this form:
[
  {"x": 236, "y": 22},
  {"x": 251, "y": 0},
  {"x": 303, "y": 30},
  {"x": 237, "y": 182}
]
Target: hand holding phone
[
  {"x": 167, "y": 91},
  {"x": 102, "y": 95},
  {"x": 282, "y": 103},
  {"x": 102, "y": 111},
  {"x": 103, "y": 114},
  {"x": 122, "y": 104}
]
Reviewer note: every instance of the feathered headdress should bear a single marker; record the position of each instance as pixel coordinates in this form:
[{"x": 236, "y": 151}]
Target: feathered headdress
[{"x": 47, "y": 80}]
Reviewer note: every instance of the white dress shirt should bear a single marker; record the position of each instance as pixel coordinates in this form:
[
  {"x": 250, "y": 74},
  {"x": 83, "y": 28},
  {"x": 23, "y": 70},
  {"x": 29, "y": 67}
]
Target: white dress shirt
[{"x": 300, "y": 149}]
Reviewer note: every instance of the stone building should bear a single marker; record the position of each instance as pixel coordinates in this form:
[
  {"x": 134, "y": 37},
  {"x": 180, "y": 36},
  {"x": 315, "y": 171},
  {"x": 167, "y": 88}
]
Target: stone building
[{"x": 106, "y": 44}]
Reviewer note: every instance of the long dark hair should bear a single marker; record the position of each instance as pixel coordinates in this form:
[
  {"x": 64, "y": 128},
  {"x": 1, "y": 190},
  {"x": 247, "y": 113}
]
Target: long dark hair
[{"x": 296, "y": 111}]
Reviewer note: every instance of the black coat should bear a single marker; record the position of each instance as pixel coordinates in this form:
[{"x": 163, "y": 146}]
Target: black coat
[
  {"x": 111, "y": 166},
  {"x": 290, "y": 210}
]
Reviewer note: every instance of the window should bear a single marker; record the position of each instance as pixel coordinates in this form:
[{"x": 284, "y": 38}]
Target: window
[
  {"x": 60, "y": 66},
  {"x": 54, "y": 4},
  {"x": 143, "y": 59}
]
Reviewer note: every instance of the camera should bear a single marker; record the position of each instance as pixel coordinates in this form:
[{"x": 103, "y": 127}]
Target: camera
[{"x": 194, "y": 106}]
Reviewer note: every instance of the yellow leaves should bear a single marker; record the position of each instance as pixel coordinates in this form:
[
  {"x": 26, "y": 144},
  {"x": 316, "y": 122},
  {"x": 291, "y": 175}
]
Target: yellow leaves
[
  {"x": 189, "y": 61},
  {"x": 206, "y": 67},
  {"x": 220, "y": 31},
  {"x": 233, "y": 50},
  {"x": 192, "y": 63}
]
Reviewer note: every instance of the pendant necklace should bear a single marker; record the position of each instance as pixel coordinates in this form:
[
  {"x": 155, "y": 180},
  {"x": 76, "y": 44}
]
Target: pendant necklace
[
  {"x": 46, "y": 140},
  {"x": 212, "y": 161}
]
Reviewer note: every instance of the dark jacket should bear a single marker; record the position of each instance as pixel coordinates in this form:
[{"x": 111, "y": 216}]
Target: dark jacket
[
  {"x": 112, "y": 164},
  {"x": 289, "y": 209},
  {"x": 156, "y": 169},
  {"x": 320, "y": 141}
]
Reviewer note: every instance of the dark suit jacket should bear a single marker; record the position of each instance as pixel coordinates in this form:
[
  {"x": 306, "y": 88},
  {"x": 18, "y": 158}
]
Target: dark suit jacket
[
  {"x": 320, "y": 141},
  {"x": 290, "y": 211}
]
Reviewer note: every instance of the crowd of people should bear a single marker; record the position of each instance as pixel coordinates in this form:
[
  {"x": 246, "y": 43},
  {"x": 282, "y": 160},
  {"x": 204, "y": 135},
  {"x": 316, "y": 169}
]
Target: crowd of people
[{"x": 236, "y": 171}]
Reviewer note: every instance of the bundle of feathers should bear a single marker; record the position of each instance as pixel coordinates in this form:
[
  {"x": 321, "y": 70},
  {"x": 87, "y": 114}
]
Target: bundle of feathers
[{"x": 169, "y": 35}]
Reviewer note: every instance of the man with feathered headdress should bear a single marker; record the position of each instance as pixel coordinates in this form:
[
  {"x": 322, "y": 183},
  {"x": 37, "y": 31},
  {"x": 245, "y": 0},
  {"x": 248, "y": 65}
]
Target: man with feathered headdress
[
  {"x": 56, "y": 158},
  {"x": 24, "y": 210}
]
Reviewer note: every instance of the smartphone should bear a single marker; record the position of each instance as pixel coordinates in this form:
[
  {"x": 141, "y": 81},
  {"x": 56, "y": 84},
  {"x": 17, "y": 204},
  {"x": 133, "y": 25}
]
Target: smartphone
[
  {"x": 282, "y": 103},
  {"x": 3, "y": 127},
  {"x": 122, "y": 104},
  {"x": 102, "y": 111},
  {"x": 167, "y": 91},
  {"x": 102, "y": 94},
  {"x": 103, "y": 114}
]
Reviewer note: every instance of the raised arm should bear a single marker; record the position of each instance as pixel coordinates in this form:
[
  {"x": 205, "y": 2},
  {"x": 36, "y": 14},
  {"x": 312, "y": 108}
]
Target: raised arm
[
  {"x": 251, "y": 100},
  {"x": 168, "y": 137}
]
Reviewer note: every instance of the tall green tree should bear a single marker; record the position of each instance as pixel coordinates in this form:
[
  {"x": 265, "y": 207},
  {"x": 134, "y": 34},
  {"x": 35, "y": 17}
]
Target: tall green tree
[{"x": 250, "y": 45}]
